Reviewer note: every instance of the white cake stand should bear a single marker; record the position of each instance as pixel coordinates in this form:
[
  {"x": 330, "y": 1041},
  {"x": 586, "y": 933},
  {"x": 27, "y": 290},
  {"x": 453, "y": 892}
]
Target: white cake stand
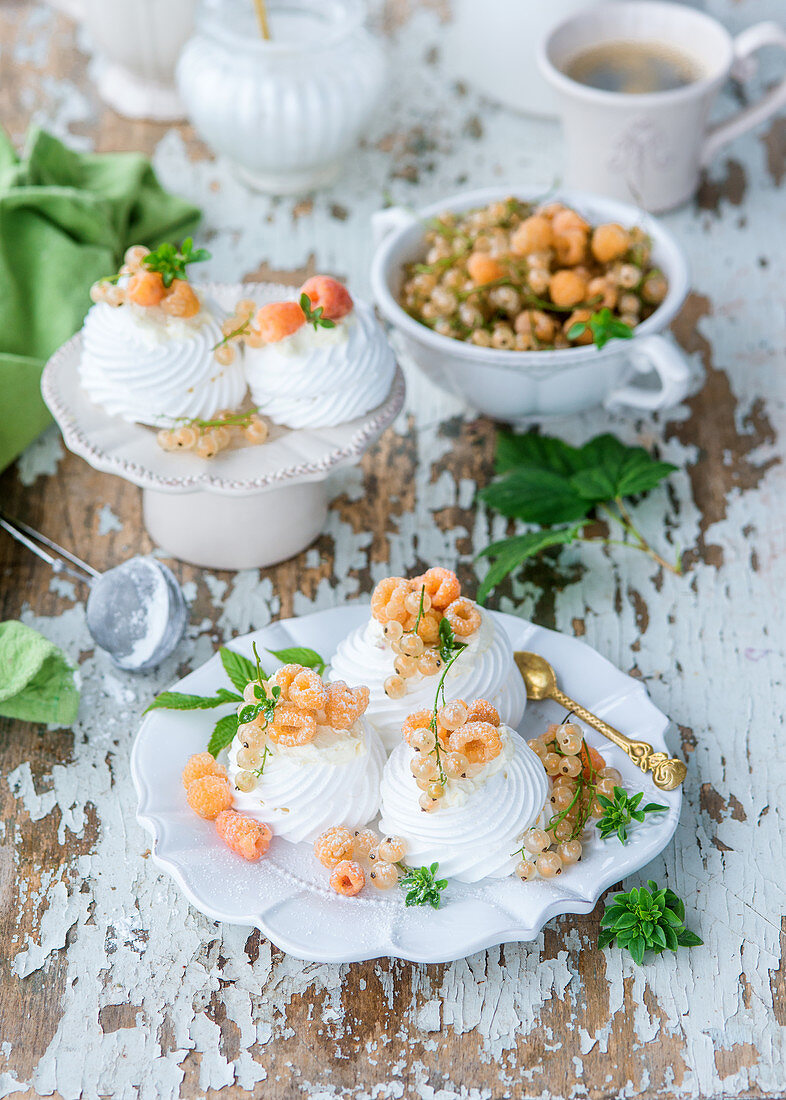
[{"x": 246, "y": 508}]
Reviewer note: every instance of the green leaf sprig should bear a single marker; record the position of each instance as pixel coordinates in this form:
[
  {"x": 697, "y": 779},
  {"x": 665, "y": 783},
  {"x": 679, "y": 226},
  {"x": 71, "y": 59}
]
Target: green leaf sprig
[
  {"x": 241, "y": 330},
  {"x": 604, "y": 326},
  {"x": 234, "y": 420},
  {"x": 648, "y": 918},
  {"x": 621, "y": 811},
  {"x": 450, "y": 649},
  {"x": 241, "y": 672},
  {"x": 314, "y": 316},
  {"x": 171, "y": 262},
  {"x": 422, "y": 886},
  {"x": 560, "y": 488}
]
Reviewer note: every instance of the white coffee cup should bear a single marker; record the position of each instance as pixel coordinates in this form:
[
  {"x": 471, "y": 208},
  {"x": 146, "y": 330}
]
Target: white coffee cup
[{"x": 650, "y": 148}]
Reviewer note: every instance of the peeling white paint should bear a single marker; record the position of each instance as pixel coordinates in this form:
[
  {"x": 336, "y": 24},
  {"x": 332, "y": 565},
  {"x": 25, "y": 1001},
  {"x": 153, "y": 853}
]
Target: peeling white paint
[{"x": 132, "y": 938}]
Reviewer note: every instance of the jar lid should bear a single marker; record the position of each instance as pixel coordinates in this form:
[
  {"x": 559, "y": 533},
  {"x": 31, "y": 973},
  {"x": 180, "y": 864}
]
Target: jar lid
[{"x": 295, "y": 25}]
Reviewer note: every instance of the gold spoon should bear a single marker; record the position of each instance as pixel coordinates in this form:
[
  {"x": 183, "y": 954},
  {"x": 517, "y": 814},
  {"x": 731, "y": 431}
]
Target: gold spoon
[{"x": 541, "y": 683}]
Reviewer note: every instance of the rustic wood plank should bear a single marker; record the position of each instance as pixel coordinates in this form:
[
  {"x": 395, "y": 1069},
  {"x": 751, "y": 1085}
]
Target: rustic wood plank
[{"x": 109, "y": 983}]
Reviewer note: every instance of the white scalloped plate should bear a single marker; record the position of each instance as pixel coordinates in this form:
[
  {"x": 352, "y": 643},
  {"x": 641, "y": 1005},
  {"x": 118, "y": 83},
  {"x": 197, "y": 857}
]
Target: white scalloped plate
[
  {"x": 287, "y": 896},
  {"x": 114, "y": 446}
]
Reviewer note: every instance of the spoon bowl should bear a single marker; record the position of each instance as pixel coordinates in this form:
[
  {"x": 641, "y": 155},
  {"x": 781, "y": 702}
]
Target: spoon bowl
[
  {"x": 539, "y": 677},
  {"x": 137, "y": 613}
]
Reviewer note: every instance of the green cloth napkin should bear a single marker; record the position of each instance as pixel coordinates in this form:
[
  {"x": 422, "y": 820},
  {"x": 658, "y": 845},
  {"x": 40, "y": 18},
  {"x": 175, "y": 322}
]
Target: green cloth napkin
[
  {"x": 66, "y": 219},
  {"x": 36, "y": 682}
]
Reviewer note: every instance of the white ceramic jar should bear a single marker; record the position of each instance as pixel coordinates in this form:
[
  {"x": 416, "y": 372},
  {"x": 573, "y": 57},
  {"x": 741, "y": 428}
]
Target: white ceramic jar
[
  {"x": 286, "y": 111},
  {"x": 137, "y": 46}
]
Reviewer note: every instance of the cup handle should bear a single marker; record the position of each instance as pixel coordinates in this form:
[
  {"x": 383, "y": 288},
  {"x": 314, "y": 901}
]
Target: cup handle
[
  {"x": 744, "y": 66},
  {"x": 665, "y": 358},
  {"x": 384, "y": 222}
]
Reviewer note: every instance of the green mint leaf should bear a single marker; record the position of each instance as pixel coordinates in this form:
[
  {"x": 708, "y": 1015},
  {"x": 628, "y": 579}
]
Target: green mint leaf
[
  {"x": 659, "y": 936},
  {"x": 223, "y": 734},
  {"x": 545, "y": 452},
  {"x": 175, "y": 700},
  {"x": 536, "y": 495},
  {"x": 576, "y": 330},
  {"x": 654, "y": 808},
  {"x": 672, "y": 941},
  {"x": 606, "y": 938},
  {"x": 612, "y": 469},
  {"x": 301, "y": 655},
  {"x": 513, "y": 552},
  {"x": 422, "y": 887},
  {"x": 238, "y": 668},
  {"x": 686, "y": 938}
]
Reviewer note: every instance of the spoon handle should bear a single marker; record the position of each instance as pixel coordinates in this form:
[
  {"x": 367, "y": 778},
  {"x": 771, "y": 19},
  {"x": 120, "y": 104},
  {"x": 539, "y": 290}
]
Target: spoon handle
[{"x": 667, "y": 773}]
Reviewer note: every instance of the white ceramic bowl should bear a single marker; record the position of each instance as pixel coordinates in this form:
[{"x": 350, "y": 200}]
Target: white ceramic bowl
[
  {"x": 244, "y": 509},
  {"x": 520, "y": 386}
]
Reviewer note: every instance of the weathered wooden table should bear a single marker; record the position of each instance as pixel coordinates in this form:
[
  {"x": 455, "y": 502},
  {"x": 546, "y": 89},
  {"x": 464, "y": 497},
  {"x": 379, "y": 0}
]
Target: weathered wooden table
[{"x": 111, "y": 983}]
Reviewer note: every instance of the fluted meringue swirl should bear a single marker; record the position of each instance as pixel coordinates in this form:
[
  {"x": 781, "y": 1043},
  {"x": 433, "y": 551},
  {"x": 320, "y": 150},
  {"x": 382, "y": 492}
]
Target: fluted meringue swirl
[
  {"x": 144, "y": 366},
  {"x": 478, "y": 823},
  {"x": 304, "y": 790},
  {"x": 323, "y": 377},
  {"x": 484, "y": 670}
]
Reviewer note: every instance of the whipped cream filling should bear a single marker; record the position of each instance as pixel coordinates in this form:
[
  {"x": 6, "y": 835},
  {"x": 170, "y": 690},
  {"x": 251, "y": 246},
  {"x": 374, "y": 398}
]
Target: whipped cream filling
[
  {"x": 144, "y": 366},
  {"x": 484, "y": 670},
  {"x": 305, "y": 789},
  {"x": 323, "y": 377},
  {"x": 477, "y": 826}
]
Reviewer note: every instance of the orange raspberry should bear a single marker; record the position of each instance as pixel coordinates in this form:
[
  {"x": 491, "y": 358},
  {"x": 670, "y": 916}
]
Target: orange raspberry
[
  {"x": 442, "y": 586},
  {"x": 181, "y": 300},
  {"x": 482, "y": 711},
  {"x": 591, "y": 759},
  {"x": 330, "y": 294},
  {"x": 277, "y": 320},
  {"x": 334, "y": 845},
  {"x": 245, "y": 836},
  {"x": 483, "y": 268},
  {"x": 209, "y": 795},
  {"x": 348, "y": 878},
  {"x": 146, "y": 288},
  {"x": 610, "y": 242},
  {"x": 201, "y": 764},
  {"x": 533, "y": 235},
  {"x": 567, "y": 288}
]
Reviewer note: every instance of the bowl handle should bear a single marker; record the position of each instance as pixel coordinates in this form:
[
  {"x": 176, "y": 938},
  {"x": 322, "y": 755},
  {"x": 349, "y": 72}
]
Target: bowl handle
[
  {"x": 385, "y": 222},
  {"x": 650, "y": 353}
]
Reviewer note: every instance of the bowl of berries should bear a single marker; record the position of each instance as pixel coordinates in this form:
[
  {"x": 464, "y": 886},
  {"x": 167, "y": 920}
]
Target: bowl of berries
[
  {"x": 227, "y": 404},
  {"x": 531, "y": 308}
]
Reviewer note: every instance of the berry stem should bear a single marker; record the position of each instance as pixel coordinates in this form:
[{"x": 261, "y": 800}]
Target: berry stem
[{"x": 624, "y": 519}]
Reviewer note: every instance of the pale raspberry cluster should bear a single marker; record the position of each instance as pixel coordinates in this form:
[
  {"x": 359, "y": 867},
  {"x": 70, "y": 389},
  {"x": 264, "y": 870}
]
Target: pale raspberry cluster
[
  {"x": 455, "y": 743},
  {"x": 305, "y": 702},
  {"x": 208, "y": 794},
  {"x": 329, "y": 300},
  {"x": 411, "y": 610},
  {"x": 146, "y": 288},
  {"x": 346, "y": 853}
]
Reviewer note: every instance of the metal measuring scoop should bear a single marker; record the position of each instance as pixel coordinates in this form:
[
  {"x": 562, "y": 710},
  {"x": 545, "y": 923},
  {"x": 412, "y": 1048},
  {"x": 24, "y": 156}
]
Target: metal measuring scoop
[{"x": 136, "y": 611}]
